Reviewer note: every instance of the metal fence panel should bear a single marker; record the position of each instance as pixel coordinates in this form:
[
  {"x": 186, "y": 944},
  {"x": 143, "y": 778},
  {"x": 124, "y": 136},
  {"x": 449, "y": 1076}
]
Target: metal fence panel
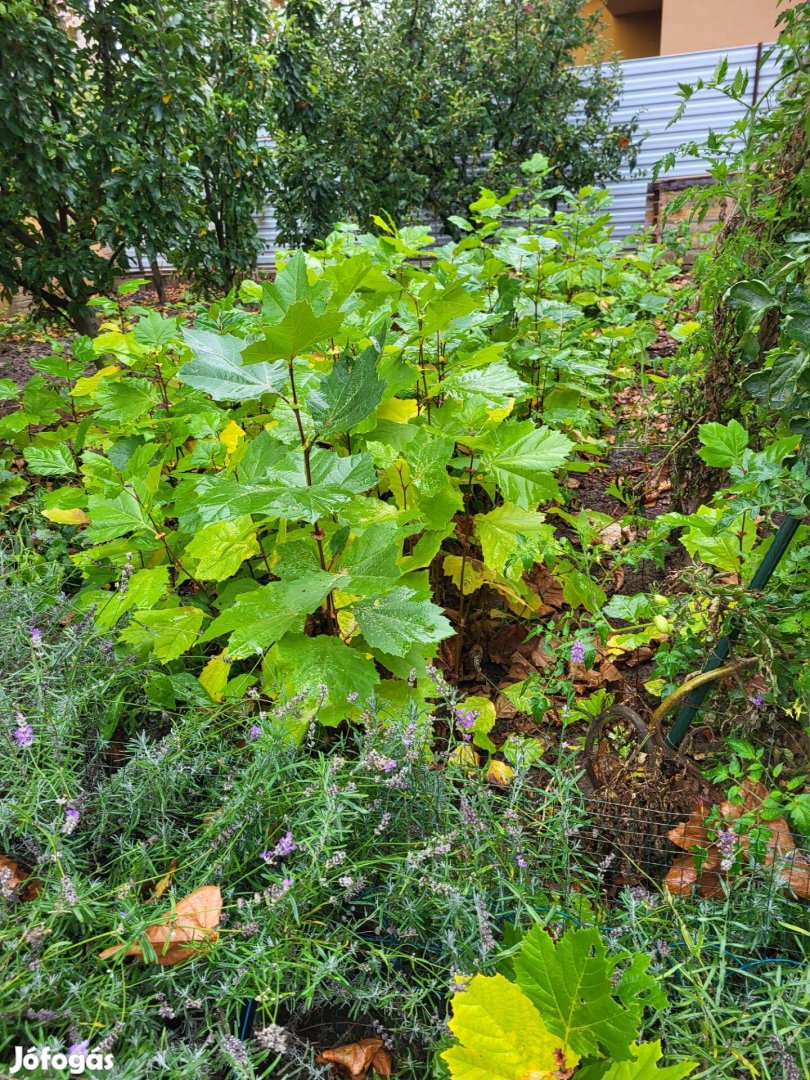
[{"x": 650, "y": 92}]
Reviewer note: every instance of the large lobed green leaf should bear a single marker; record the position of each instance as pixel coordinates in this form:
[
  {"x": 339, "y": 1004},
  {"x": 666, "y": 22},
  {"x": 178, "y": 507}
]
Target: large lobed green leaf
[
  {"x": 218, "y": 369},
  {"x": 521, "y": 458},
  {"x": 571, "y": 983}
]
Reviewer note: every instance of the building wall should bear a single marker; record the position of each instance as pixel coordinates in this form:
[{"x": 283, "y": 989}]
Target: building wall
[
  {"x": 631, "y": 36},
  {"x": 639, "y": 28},
  {"x": 696, "y": 25}
]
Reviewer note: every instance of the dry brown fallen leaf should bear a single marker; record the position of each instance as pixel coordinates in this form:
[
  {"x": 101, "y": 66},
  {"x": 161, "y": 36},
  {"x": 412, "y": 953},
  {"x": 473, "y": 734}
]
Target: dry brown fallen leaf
[
  {"x": 792, "y": 865},
  {"x": 693, "y": 832},
  {"x": 611, "y": 535},
  {"x": 193, "y": 920},
  {"x": 17, "y": 878},
  {"x": 354, "y": 1060}
]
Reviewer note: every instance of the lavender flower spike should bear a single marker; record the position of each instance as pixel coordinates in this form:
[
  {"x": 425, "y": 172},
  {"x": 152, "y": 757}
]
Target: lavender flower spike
[
  {"x": 24, "y": 735},
  {"x": 578, "y": 653}
]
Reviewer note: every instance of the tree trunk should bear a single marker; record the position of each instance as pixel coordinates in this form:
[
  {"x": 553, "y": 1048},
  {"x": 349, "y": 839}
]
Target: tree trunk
[
  {"x": 158, "y": 283},
  {"x": 85, "y": 321}
]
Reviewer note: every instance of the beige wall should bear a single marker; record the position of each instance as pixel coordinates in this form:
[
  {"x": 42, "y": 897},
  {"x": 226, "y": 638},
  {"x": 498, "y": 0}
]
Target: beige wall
[{"x": 692, "y": 25}]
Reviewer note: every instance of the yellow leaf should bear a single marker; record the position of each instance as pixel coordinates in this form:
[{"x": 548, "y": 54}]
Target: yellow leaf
[
  {"x": 230, "y": 436},
  {"x": 88, "y": 384},
  {"x": 162, "y": 885},
  {"x": 214, "y": 675},
  {"x": 67, "y": 517},
  {"x": 465, "y": 756},
  {"x": 477, "y": 574},
  {"x": 501, "y": 414},
  {"x": 396, "y": 410},
  {"x": 166, "y": 99},
  {"x": 501, "y": 1036},
  {"x": 498, "y": 772}
]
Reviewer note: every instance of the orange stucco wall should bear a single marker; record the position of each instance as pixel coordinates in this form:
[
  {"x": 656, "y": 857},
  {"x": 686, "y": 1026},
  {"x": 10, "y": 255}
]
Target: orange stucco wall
[
  {"x": 692, "y": 25},
  {"x": 638, "y": 35},
  {"x": 684, "y": 25}
]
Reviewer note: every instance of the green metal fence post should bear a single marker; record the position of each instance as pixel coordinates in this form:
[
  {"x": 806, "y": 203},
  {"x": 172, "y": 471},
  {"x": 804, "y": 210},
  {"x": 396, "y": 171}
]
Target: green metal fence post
[{"x": 770, "y": 561}]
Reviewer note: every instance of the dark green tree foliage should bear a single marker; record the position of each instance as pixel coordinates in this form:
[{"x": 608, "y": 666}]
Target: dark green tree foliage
[
  {"x": 129, "y": 126},
  {"x": 51, "y": 192},
  {"x": 306, "y": 193},
  {"x": 232, "y": 163},
  {"x": 413, "y": 105}
]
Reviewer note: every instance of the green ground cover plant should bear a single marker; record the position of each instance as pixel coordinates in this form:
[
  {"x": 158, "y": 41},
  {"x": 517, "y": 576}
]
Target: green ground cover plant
[{"x": 369, "y": 882}]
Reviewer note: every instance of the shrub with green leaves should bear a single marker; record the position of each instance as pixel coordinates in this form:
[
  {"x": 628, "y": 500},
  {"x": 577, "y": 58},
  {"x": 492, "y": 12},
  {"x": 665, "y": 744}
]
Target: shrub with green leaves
[{"x": 294, "y": 490}]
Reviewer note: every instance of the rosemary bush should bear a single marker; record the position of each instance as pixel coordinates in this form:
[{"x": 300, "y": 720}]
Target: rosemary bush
[{"x": 737, "y": 976}]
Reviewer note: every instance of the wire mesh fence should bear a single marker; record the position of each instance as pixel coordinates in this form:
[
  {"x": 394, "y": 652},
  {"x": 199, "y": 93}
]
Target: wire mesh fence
[{"x": 752, "y": 876}]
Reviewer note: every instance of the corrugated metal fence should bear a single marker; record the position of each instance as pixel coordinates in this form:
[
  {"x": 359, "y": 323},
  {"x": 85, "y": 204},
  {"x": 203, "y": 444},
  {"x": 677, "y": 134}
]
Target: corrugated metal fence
[{"x": 650, "y": 90}]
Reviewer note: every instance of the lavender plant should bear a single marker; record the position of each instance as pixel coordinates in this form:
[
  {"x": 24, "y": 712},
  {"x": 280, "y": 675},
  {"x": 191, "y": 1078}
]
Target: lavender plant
[{"x": 364, "y": 877}]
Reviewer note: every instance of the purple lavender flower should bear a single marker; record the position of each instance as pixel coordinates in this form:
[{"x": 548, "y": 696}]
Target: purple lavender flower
[
  {"x": 726, "y": 846},
  {"x": 36, "y": 638},
  {"x": 757, "y": 701},
  {"x": 72, "y": 816},
  {"x": 285, "y": 846},
  {"x": 81, "y": 1049},
  {"x": 286, "y": 884},
  {"x": 24, "y": 734},
  {"x": 255, "y": 732},
  {"x": 578, "y": 653},
  {"x": 72, "y": 813},
  {"x": 521, "y": 862},
  {"x": 465, "y": 722}
]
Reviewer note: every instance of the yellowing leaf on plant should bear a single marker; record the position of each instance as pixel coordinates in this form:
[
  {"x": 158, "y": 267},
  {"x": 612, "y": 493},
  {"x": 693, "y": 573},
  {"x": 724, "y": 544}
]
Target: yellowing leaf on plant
[
  {"x": 214, "y": 676},
  {"x": 521, "y": 600},
  {"x": 464, "y": 755},
  {"x": 498, "y": 772},
  {"x": 163, "y": 883},
  {"x": 76, "y": 516},
  {"x": 397, "y": 410},
  {"x": 221, "y": 547},
  {"x": 87, "y": 385},
  {"x": 230, "y": 436},
  {"x": 484, "y": 721},
  {"x": 499, "y": 414},
  {"x": 501, "y": 1035}
]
